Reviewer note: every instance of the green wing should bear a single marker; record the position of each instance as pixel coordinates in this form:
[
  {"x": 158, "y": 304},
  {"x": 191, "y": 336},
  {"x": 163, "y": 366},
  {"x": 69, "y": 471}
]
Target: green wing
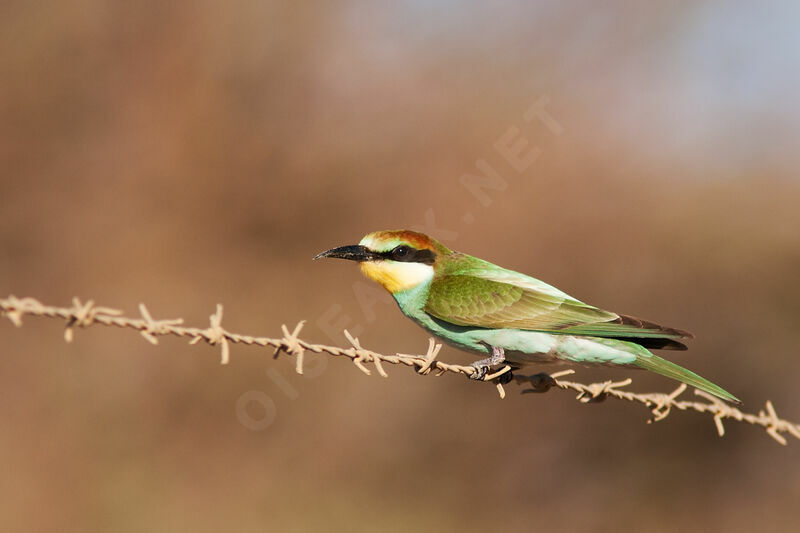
[{"x": 506, "y": 299}]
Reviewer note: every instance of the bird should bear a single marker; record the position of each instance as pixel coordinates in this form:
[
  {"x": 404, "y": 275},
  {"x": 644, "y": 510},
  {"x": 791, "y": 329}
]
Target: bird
[{"x": 508, "y": 317}]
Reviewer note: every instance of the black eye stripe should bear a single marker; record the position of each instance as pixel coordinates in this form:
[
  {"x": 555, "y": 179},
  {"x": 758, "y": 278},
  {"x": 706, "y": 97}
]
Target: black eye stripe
[{"x": 412, "y": 256}]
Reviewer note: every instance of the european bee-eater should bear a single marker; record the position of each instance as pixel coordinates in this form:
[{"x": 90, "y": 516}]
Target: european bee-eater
[{"x": 482, "y": 308}]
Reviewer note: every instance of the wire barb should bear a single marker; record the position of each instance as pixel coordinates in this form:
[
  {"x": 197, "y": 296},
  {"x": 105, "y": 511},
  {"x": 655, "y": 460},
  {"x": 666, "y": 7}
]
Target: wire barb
[{"x": 660, "y": 404}]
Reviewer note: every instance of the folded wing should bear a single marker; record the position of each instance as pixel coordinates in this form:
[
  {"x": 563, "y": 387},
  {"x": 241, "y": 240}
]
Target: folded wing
[{"x": 506, "y": 299}]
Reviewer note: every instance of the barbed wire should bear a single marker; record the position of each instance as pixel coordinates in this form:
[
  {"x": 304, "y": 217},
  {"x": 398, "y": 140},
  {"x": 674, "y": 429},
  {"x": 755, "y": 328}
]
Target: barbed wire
[{"x": 87, "y": 314}]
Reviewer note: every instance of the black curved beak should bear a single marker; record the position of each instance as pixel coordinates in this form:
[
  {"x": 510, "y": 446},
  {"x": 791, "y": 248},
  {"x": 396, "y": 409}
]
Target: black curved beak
[{"x": 353, "y": 252}]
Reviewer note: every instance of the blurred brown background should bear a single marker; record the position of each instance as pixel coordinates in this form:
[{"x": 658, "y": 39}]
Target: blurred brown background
[{"x": 184, "y": 154}]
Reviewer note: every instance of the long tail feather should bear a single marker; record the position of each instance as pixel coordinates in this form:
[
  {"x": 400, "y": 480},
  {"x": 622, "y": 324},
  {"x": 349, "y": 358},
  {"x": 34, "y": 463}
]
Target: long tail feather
[{"x": 653, "y": 363}]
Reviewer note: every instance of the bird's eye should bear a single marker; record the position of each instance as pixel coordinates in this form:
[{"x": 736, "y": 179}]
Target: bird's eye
[{"x": 401, "y": 252}]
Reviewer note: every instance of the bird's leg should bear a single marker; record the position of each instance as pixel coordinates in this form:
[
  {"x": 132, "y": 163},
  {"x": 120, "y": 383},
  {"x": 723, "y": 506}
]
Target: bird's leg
[{"x": 481, "y": 367}]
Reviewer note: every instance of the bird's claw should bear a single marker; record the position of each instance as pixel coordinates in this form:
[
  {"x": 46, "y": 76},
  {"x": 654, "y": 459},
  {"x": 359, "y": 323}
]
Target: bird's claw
[
  {"x": 482, "y": 367},
  {"x": 480, "y": 372}
]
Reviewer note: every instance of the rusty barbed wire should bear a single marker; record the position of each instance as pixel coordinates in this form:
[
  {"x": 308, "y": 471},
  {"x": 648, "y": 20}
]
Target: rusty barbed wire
[{"x": 85, "y": 314}]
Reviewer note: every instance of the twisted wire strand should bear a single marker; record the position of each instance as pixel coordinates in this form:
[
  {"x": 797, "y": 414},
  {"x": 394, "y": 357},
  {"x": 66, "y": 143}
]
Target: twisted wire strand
[{"x": 86, "y": 314}]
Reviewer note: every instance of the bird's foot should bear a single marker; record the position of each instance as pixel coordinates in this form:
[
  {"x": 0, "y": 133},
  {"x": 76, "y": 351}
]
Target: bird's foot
[
  {"x": 482, "y": 367},
  {"x": 480, "y": 371}
]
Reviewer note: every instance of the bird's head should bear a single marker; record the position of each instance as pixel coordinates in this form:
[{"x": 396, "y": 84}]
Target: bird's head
[{"x": 397, "y": 259}]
